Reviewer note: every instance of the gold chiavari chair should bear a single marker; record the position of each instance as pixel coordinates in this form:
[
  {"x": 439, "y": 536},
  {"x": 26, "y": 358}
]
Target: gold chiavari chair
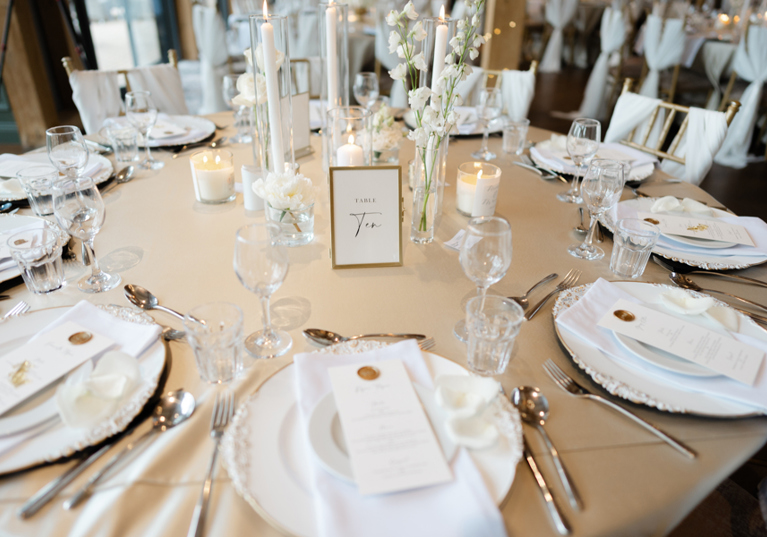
[{"x": 70, "y": 67}]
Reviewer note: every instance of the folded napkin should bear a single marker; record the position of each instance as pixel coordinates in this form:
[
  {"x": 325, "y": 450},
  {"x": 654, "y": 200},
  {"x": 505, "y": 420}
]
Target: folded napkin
[
  {"x": 467, "y": 402},
  {"x": 581, "y": 320},
  {"x": 458, "y": 508},
  {"x": 671, "y": 204},
  {"x": 164, "y": 128},
  {"x": 5, "y": 251},
  {"x": 165, "y": 122},
  {"x": 10, "y": 165},
  {"x": 553, "y": 154}
]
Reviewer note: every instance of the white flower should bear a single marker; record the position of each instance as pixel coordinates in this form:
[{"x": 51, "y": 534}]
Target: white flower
[
  {"x": 475, "y": 19},
  {"x": 420, "y": 136},
  {"x": 409, "y": 11},
  {"x": 418, "y": 33},
  {"x": 394, "y": 41},
  {"x": 455, "y": 42},
  {"x": 449, "y": 59},
  {"x": 461, "y": 24},
  {"x": 452, "y": 118},
  {"x": 404, "y": 50},
  {"x": 392, "y": 18},
  {"x": 478, "y": 40},
  {"x": 473, "y": 53},
  {"x": 418, "y": 97},
  {"x": 399, "y": 72},
  {"x": 248, "y": 56},
  {"x": 260, "y": 57},
  {"x": 249, "y": 88},
  {"x": 420, "y": 62},
  {"x": 387, "y": 139},
  {"x": 286, "y": 191}
]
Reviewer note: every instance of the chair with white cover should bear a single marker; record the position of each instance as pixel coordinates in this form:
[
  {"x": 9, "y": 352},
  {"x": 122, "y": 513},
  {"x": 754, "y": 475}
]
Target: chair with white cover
[
  {"x": 164, "y": 83},
  {"x": 700, "y": 134},
  {"x": 517, "y": 91},
  {"x": 663, "y": 48},
  {"x": 210, "y": 35},
  {"x": 559, "y": 13},
  {"x": 750, "y": 63}
]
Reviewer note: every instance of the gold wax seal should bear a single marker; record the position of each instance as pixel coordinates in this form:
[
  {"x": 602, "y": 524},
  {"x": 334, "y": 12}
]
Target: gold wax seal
[
  {"x": 368, "y": 372},
  {"x": 624, "y": 315},
  {"x": 652, "y": 221},
  {"x": 19, "y": 241},
  {"x": 19, "y": 375},
  {"x": 79, "y": 338}
]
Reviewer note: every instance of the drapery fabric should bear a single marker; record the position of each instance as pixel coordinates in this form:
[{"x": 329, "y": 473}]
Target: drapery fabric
[
  {"x": 613, "y": 34},
  {"x": 558, "y": 13},
  {"x": 750, "y": 63},
  {"x": 97, "y": 97},
  {"x": 630, "y": 111},
  {"x": 716, "y": 56},
  {"x": 210, "y": 35},
  {"x": 517, "y": 90},
  {"x": 663, "y": 48},
  {"x": 164, "y": 83}
]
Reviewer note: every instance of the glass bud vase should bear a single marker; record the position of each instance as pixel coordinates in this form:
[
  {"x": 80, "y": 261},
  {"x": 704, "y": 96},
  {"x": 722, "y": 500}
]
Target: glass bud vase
[
  {"x": 429, "y": 184},
  {"x": 296, "y": 226}
]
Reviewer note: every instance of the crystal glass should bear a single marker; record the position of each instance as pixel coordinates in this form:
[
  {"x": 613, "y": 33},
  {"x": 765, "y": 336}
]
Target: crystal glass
[
  {"x": 365, "y": 89},
  {"x": 37, "y": 253},
  {"x": 489, "y": 108},
  {"x": 142, "y": 113},
  {"x": 633, "y": 242},
  {"x": 485, "y": 256},
  {"x": 214, "y": 331},
  {"x": 37, "y": 182},
  {"x": 582, "y": 144},
  {"x": 67, "y": 150},
  {"x": 261, "y": 264},
  {"x": 492, "y": 324},
  {"x": 241, "y": 113},
  {"x": 601, "y": 189},
  {"x": 79, "y": 210}
]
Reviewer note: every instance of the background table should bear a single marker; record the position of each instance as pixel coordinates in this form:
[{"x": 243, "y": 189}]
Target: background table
[{"x": 157, "y": 236}]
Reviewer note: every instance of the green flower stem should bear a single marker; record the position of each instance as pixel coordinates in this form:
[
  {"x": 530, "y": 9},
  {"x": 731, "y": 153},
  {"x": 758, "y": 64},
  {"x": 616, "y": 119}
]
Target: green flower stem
[{"x": 295, "y": 224}]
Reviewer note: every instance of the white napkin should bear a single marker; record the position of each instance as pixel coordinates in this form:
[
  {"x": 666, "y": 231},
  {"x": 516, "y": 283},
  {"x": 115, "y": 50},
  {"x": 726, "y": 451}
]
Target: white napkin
[
  {"x": 669, "y": 204},
  {"x": 186, "y": 136},
  {"x": 458, "y": 508},
  {"x": 165, "y": 128},
  {"x": 466, "y": 401},
  {"x": 553, "y": 154},
  {"x": 10, "y": 165},
  {"x": 681, "y": 302},
  {"x": 5, "y": 251},
  {"x": 581, "y": 320}
]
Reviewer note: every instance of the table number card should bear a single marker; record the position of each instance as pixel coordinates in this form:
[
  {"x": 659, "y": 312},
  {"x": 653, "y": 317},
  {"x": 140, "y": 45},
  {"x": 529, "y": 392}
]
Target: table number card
[
  {"x": 390, "y": 440},
  {"x": 710, "y": 349},
  {"x": 699, "y": 228},
  {"x": 30, "y": 368}
]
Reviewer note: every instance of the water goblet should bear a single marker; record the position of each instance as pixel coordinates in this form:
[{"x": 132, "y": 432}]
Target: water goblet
[
  {"x": 241, "y": 113},
  {"x": 261, "y": 264},
  {"x": 80, "y": 211},
  {"x": 66, "y": 149},
  {"x": 489, "y": 108},
  {"x": 142, "y": 113},
  {"x": 485, "y": 256},
  {"x": 602, "y": 186},
  {"x": 365, "y": 88},
  {"x": 582, "y": 144}
]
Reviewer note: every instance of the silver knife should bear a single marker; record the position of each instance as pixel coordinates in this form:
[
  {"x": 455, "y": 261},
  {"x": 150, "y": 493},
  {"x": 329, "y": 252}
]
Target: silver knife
[{"x": 556, "y": 515}]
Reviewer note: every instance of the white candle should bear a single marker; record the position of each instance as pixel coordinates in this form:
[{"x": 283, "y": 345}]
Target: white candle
[
  {"x": 213, "y": 177},
  {"x": 466, "y": 189},
  {"x": 332, "y": 56},
  {"x": 273, "y": 95},
  {"x": 440, "y": 48},
  {"x": 349, "y": 154}
]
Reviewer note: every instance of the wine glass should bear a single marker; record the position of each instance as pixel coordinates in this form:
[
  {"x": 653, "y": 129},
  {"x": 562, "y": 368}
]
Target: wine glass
[
  {"x": 490, "y": 107},
  {"x": 142, "y": 113},
  {"x": 485, "y": 256},
  {"x": 67, "y": 150},
  {"x": 365, "y": 88},
  {"x": 241, "y": 113},
  {"x": 79, "y": 210},
  {"x": 582, "y": 144},
  {"x": 602, "y": 186},
  {"x": 261, "y": 264}
]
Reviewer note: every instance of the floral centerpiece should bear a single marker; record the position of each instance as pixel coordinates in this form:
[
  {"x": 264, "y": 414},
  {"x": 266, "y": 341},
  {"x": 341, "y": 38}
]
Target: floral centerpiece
[
  {"x": 432, "y": 106},
  {"x": 289, "y": 198},
  {"x": 387, "y": 136}
]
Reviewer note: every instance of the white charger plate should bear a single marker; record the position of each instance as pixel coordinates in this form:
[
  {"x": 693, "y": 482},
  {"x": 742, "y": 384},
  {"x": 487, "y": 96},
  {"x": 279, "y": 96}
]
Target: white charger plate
[
  {"x": 191, "y": 123},
  {"x": 55, "y": 441},
  {"x": 638, "y": 386},
  {"x": 663, "y": 359},
  {"x": 637, "y": 173},
  {"x": 326, "y": 436},
  {"x": 266, "y": 452}
]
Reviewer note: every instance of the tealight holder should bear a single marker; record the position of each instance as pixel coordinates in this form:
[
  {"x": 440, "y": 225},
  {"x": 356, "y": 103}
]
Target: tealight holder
[
  {"x": 350, "y": 136},
  {"x": 477, "y": 188},
  {"x": 213, "y": 175},
  {"x": 334, "y": 63},
  {"x": 269, "y": 36}
]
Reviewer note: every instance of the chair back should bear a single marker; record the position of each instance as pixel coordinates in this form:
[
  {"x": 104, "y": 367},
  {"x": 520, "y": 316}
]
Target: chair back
[{"x": 306, "y": 76}]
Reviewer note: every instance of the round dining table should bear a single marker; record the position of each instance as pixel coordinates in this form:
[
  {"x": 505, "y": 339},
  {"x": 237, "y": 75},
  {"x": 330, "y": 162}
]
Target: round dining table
[{"x": 157, "y": 236}]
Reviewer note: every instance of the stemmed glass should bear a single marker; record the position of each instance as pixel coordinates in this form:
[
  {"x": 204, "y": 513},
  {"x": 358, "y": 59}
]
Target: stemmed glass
[
  {"x": 485, "y": 256},
  {"x": 79, "y": 210},
  {"x": 66, "y": 149},
  {"x": 490, "y": 107},
  {"x": 241, "y": 113},
  {"x": 142, "y": 113},
  {"x": 261, "y": 264},
  {"x": 582, "y": 144},
  {"x": 602, "y": 186},
  {"x": 365, "y": 88}
]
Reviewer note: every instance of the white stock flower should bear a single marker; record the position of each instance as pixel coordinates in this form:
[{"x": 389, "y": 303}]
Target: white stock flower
[
  {"x": 404, "y": 50},
  {"x": 420, "y": 136},
  {"x": 409, "y": 11},
  {"x": 473, "y": 53},
  {"x": 455, "y": 42},
  {"x": 418, "y": 33},
  {"x": 394, "y": 41},
  {"x": 260, "y": 57},
  {"x": 399, "y": 72},
  {"x": 392, "y": 18},
  {"x": 286, "y": 191},
  {"x": 478, "y": 40},
  {"x": 461, "y": 24},
  {"x": 418, "y": 97},
  {"x": 475, "y": 19},
  {"x": 452, "y": 117},
  {"x": 420, "y": 62}
]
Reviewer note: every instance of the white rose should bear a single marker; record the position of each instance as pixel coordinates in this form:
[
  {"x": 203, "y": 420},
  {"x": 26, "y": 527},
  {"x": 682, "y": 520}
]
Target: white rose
[
  {"x": 399, "y": 72},
  {"x": 409, "y": 11},
  {"x": 260, "y": 57},
  {"x": 420, "y": 62},
  {"x": 394, "y": 41},
  {"x": 418, "y": 33},
  {"x": 392, "y": 18},
  {"x": 247, "y": 89},
  {"x": 418, "y": 97},
  {"x": 248, "y": 56}
]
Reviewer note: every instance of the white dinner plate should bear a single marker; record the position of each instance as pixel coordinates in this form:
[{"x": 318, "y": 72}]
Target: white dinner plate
[
  {"x": 204, "y": 128},
  {"x": 637, "y": 173},
  {"x": 54, "y": 440},
  {"x": 638, "y": 386},
  {"x": 326, "y": 435},
  {"x": 664, "y": 360},
  {"x": 699, "y": 243},
  {"x": 9, "y": 222},
  {"x": 267, "y": 453}
]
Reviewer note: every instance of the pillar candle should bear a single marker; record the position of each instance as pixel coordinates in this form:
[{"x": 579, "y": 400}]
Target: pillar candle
[{"x": 350, "y": 154}]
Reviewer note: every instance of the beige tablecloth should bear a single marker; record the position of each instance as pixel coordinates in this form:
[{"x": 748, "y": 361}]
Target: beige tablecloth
[{"x": 158, "y": 237}]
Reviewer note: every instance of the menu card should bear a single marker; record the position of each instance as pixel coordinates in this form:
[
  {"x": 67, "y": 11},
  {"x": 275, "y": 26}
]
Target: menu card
[
  {"x": 32, "y": 367},
  {"x": 390, "y": 440},
  {"x": 687, "y": 340},
  {"x": 699, "y": 228}
]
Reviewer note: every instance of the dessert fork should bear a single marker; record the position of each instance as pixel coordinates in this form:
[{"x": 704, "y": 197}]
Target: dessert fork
[
  {"x": 573, "y": 388},
  {"x": 570, "y": 279}
]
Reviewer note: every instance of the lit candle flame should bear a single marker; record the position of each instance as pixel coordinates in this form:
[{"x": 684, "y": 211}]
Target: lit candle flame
[
  {"x": 218, "y": 159},
  {"x": 479, "y": 175},
  {"x": 205, "y": 159},
  {"x": 351, "y": 139},
  {"x": 442, "y": 13},
  {"x": 266, "y": 14}
]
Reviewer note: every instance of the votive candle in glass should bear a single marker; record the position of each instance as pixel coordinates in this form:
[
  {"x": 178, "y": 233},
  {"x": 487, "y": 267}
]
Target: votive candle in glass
[
  {"x": 213, "y": 175},
  {"x": 477, "y": 188}
]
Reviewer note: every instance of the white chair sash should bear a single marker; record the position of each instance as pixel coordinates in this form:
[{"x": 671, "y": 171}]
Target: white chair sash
[
  {"x": 751, "y": 64},
  {"x": 706, "y": 130},
  {"x": 716, "y": 56},
  {"x": 164, "y": 83},
  {"x": 558, "y": 13},
  {"x": 210, "y": 35},
  {"x": 97, "y": 97},
  {"x": 630, "y": 111},
  {"x": 663, "y": 48},
  {"x": 517, "y": 90}
]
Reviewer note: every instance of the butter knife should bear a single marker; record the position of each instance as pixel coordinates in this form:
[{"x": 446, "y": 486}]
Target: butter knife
[{"x": 560, "y": 522}]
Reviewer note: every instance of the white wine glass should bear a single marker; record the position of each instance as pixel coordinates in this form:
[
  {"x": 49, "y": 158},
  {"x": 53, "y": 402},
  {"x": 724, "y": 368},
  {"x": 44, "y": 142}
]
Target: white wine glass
[
  {"x": 485, "y": 256},
  {"x": 79, "y": 210},
  {"x": 67, "y": 150},
  {"x": 261, "y": 264},
  {"x": 489, "y": 108},
  {"x": 602, "y": 186},
  {"x": 582, "y": 144},
  {"x": 241, "y": 113},
  {"x": 142, "y": 113},
  {"x": 365, "y": 88}
]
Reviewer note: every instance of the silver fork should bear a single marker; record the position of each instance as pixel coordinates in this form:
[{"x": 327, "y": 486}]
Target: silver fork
[
  {"x": 426, "y": 344},
  {"x": 223, "y": 410},
  {"x": 572, "y": 387},
  {"x": 570, "y": 279},
  {"x": 19, "y": 309}
]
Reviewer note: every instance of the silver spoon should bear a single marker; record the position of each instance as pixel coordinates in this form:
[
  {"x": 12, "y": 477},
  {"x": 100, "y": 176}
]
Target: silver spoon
[
  {"x": 123, "y": 176},
  {"x": 522, "y": 300},
  {"x": 734, "y": 277},
  {"x": 144, "y": 299},
  {"x": 683, "y": 281},
  {"x": 581, "y": 228},
  {"x": 174, "y": 408},
  {"x": 171, "y": 334},
  {"x": 326, "y": 337},
  {"x": 6, "y": 207},
  {"x": 534, "y": 409}
]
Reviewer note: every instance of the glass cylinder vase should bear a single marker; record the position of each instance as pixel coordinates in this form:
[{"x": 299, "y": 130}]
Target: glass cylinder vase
[
  {"x": 350, "y": 136},
  {"x": 269, "y": 36},
  {"x": 334, "y": 63},
  {"x": 429, "y": 185}
]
